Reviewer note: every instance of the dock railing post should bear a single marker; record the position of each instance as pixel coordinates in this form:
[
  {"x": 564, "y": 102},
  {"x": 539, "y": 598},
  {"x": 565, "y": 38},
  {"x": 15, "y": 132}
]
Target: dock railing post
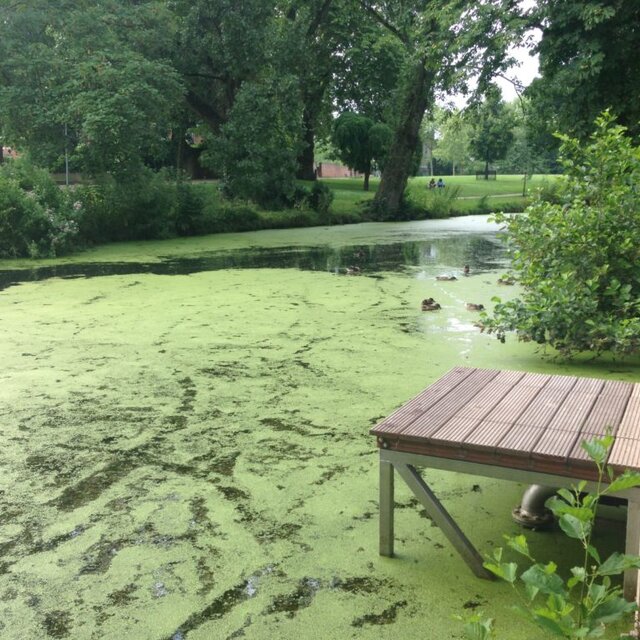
[{"x": 386, "y": 508}]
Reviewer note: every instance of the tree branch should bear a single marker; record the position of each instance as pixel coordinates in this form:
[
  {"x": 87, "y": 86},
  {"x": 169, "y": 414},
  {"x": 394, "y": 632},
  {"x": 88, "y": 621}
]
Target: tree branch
[
  {"x": 384, "y": 22},
  {"x": 319, "y": 18}
]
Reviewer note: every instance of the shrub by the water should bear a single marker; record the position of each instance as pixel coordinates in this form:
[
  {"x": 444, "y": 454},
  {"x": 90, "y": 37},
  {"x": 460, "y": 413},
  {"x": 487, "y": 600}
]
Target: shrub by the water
[
  {"x": 36, "y": 218},
  {"x": 579, "y": 260}
]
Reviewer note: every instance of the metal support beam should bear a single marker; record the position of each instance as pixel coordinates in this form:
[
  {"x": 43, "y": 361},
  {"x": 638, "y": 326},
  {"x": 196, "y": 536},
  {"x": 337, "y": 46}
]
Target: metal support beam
[
  {"x": 445, "y": 522},
  {"x": 632, "y": 547},
  {"x": 386, "y": 509}
]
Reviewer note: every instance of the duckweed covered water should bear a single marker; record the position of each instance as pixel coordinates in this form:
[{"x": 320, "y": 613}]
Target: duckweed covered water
[{"x": 185, "y": 450}]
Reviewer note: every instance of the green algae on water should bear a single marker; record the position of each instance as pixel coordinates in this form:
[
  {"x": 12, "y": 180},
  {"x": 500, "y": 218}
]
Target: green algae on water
[{"x": 187, "y": 456}]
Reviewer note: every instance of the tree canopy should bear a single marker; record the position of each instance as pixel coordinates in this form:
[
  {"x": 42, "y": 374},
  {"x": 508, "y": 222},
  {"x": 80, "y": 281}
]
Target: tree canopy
[{"x": 589, "y": 62}]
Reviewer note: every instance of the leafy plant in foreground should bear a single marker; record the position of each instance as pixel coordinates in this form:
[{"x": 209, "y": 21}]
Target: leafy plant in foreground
[{"x": 586, "y": 602}]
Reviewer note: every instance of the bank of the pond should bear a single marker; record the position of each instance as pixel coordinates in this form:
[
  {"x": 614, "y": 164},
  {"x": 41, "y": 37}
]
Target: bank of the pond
[{"x": 185, "y": 455}]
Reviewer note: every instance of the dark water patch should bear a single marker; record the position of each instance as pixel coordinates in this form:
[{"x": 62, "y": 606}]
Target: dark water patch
[
  {"x": 359, "y": 584},
  {"x": 286, "y": 531},
  {"x": 99, "y": 556},
  {"x": 480, "y": 252},
  {"x": 233, "y": 493},
  {"x": 329, "y": 474},
  {"x": 122, "y": 597},
  {"x": 206, "y": 576},
  {"x": 222, "y": 605},
  {"x": 388, "y": 616},
  {"x": 276, "y": 424},
  {"x": 58, "y": 624},
  {"x": 189, "y": 393},
  {"x": 474, "y": 603},
  {"x": 223, "y": 465},
  {"x": 229, "y": 370},
  {"x": 301, "y": 598},
  {"x": 200, "y": 516},
  {"x": 177, "y": 422},
  {"x": 92, "y": 487}
]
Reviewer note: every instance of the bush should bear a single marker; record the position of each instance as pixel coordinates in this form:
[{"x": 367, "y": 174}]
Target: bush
[
  {"x": 579, "y": 261},
  {"x": 37, "y": 219},
  {"x": 141, "y": 207},
  {"x": 225, "y": 217},
  {"x": 421, "y": 202},
  {"x": 320, "y": 198}
]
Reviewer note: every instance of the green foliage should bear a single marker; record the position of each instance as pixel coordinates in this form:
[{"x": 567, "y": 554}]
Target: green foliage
[
  {"x": 361, "y": 142},
  {"x": 90, "y": 79},
  {"x": 36, "y": 218},
  {"x": 139, "y": 207},
  {"x": 588, "y": 63},
  {"x": 579, "y": 261},
  {"x": 257, "y": 150},
  {"x": 492, "y": 127},
  {"x": 584, "y": 603},
  {"x": 320, "y": 198},
  {"x": 422, "y": 202}
]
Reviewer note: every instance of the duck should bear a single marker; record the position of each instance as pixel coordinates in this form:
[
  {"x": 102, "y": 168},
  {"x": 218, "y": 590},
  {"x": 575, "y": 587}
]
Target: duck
[
  {"x": 446, "y": 278},
  {"x": 506, "y": 280},
  {"x": 466, "y": 270},
  {"x": 429, "y": 304},
  {"x": 472, "y": 306},
  {"x": 353, "y": 271}
]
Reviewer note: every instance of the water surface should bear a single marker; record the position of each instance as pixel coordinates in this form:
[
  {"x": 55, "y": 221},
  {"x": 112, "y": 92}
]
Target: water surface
[{"x": 185, "y": 449}]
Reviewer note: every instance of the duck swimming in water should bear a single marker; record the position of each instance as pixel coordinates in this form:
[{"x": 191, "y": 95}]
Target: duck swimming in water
[
  {"x": 506, "y": 280},
  {"x": 471, "y": 306},
  {"x": 429, "y": 304},
  {"x": 446, "y": 278}
]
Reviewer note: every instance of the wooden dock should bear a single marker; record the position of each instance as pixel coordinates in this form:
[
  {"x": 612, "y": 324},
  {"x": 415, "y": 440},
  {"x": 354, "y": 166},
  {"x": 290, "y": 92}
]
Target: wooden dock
[{"x": 526, "y": 427}]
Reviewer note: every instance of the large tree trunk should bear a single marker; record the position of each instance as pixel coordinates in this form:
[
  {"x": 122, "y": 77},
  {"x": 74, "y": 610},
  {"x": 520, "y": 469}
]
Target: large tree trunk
[
  {"x": 306, "y": 169},
  {"x": 398, "y": 164}
]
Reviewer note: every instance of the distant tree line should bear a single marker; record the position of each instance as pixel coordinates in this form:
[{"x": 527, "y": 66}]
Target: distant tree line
[{"x": 251, "y": 87}]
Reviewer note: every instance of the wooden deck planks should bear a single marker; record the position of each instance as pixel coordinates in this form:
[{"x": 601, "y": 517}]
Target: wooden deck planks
[{"x": 509, "y": 416}]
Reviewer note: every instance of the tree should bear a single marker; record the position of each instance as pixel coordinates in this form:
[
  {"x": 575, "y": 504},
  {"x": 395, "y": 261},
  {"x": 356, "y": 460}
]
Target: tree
[
  {"x": 589, "y": 62},
  {"x": 491, "y": 128},
  {"x": 455, "y": 138},
  {"x": 442, "y": 41},
  {"x": 257, "y": 148},
  {"x": 89, "y": 77},
  {"x": 360, "y": 142},
  {"x": 579, "y": 261}
]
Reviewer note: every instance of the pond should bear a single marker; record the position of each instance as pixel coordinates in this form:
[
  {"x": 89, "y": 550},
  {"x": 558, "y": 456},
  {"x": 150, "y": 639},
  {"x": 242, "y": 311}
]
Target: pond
[{"x": 185, "y": 448}]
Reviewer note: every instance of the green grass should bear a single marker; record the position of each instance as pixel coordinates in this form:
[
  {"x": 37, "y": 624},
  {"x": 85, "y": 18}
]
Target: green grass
[{"x": 504, "y": 193}]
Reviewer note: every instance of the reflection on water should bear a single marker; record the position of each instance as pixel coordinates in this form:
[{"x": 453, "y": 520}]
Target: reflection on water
[{"x": 480, "y": 252}]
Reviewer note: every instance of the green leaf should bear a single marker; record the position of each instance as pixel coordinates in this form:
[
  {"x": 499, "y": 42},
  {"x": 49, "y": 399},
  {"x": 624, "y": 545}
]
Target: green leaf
[
  {"x": 567, "y": 496},
  {"x": 610, "y": 610},
  {"x": 575, "y": 527},
  {"x": 616, "y": 563},
  {"x": 519, "y": 544},
  {"x": 593, "y": 552},
  {"x": 579, "y": 575},
  {"x": 597, "y": 450},
  {"x": 478, "y": 628},
  {"x": 627, "y": 480},
  {"x": 544, "y": 580},
  {"x": 504, "y": 570},
  {"x": 531, "y": 592}
]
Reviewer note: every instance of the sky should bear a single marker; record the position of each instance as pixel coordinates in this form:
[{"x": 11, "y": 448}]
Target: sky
[{"x": 525, "y": 73}]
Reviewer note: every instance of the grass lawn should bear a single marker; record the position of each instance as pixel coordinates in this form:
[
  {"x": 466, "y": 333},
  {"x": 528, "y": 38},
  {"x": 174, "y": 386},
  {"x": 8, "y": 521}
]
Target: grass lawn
[{"x": 503, "y": 193}]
